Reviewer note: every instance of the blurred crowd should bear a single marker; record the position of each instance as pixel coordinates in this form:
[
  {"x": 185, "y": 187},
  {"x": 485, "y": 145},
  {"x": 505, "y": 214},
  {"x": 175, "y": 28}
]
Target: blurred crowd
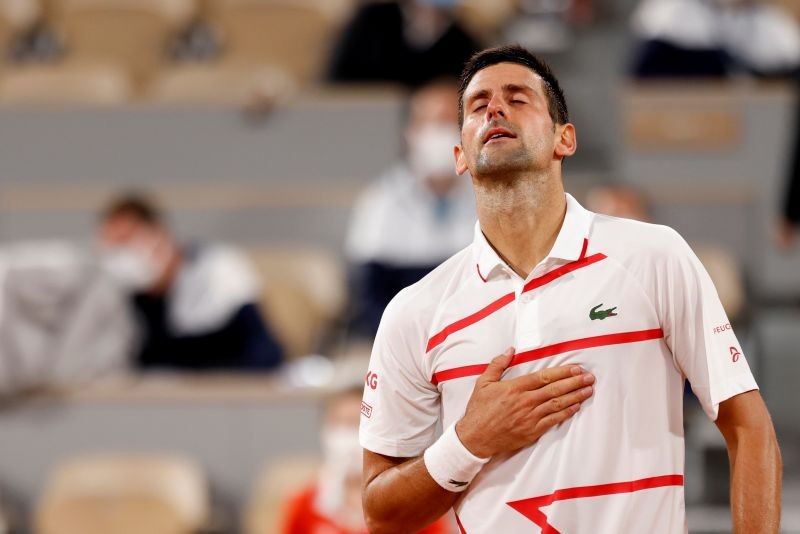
[{"x": 134, "y": 297}]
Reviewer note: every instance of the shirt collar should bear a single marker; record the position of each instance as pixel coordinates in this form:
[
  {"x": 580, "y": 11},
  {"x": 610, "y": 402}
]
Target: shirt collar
[{"x": 569, "y": 243}]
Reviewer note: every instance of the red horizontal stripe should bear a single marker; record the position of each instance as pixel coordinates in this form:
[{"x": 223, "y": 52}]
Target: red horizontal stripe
[
  {"x": 614, "y": 488},
  {"x": 561, "y": 271},
  {"x": 586, "y": 343},
  {"x": 469, "y": 320},
  {"x": 552, "y": 350},
  {"x": 439, "y": 338},
  {"x": 531, "y": 508},
  {"x": 459, "y": 372}
]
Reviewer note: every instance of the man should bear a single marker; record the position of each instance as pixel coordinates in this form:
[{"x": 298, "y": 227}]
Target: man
[
  {"x": 196, "y": 304},
  {"x": 528, "y": 440},
  {"x": 417, "y": 214}
]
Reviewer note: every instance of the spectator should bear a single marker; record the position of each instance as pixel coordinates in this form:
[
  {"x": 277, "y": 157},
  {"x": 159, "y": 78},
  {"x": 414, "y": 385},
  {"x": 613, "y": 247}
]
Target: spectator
[
  {"x": 333, "y": 503},
  {"x": 790, "y": 220},
  {"x": 196, "y": 303},
  {"x": 702, "y": 38},
  {"x": 405, "y": 41},
  {"x": 416, "y": 214}
]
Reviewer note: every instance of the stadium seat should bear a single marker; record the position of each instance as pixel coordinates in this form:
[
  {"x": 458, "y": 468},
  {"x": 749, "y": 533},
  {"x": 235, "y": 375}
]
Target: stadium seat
[
  {"x": 16, "y": 16},
  {"x": 679, "y": 116},
  {"x": 124, "y": 494},
  {"x": 65, "y": 84},
  {"x": 292, "y": 34},
  {"x": 220, "y": 84},
  {"x": 133, "y": 33},
  {"x": 277, "y": 481},
  {"x": 304, "y": 293}
]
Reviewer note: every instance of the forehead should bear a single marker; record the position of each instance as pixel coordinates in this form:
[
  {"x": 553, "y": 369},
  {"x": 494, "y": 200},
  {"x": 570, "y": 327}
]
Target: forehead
[
  {"x": 121, "y": 228},
  {"x": 494, "y": 77}
]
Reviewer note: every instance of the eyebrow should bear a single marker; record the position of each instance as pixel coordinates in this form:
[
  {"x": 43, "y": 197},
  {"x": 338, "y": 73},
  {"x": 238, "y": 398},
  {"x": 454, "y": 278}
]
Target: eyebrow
[{"x": 506, "y": 88}]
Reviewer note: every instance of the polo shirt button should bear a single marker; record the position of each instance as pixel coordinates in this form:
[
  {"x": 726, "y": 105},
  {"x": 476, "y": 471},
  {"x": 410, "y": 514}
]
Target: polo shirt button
[{"x": 525, "y": 298}]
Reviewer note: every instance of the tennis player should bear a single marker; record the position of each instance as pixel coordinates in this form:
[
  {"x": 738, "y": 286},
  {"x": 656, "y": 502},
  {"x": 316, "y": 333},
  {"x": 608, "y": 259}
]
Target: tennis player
[{"x": 579, "y": 427}]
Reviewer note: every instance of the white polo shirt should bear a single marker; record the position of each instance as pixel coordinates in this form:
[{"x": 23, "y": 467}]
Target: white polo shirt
[{"x": 626, "y": 300}]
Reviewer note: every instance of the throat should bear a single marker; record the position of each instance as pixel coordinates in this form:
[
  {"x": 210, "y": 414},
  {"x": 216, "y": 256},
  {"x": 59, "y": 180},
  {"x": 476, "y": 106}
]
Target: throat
[{"x": 521, "y": 222}]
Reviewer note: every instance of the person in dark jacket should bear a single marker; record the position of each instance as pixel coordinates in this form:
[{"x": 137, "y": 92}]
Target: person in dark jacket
[
  {"x": 196, "y": 304},
  {"x": 406, "y": 41}
]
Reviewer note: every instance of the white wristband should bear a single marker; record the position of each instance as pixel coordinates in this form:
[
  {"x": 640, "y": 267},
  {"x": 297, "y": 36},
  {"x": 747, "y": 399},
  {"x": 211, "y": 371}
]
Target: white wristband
[{"x": 449, "y": 462}]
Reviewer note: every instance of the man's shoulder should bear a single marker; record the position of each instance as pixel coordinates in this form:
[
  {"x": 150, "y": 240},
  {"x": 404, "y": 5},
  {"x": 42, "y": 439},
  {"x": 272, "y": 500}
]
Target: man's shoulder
[
  {"x": 632, "y": 240},
  {"x": 416, "y": 305}
]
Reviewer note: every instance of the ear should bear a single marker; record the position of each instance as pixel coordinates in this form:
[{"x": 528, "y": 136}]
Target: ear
[
  {"x": 566, "y": 142},
  {"x": 461, "y": 160}
]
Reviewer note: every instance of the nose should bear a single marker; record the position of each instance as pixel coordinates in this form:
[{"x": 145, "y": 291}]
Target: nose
[{"x": 495, "y": 108}]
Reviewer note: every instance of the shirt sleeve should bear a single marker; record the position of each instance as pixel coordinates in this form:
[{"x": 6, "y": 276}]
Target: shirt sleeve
[
  {"x": 698, "y": 332},
  {"x": 400, "y": 407}
]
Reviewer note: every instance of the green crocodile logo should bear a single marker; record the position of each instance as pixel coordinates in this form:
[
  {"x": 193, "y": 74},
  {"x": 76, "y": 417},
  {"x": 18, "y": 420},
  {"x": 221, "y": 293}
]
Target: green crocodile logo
[{"x": 601, "y": 314}]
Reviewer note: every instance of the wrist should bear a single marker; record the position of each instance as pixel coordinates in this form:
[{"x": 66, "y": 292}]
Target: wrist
[
  {"x": 450, "y": 464},
  {"x": 471, "y": 441}
]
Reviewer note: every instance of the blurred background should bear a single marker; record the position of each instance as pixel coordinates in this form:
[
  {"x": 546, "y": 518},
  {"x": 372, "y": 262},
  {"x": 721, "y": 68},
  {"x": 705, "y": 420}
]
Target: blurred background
[{"x": 206, "y": 204}]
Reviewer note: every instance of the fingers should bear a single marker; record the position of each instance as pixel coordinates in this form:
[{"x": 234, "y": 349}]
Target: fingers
[
  {"x": 497, "y": 367},
  {"x": 544, "y": 377},
  {"x": 556, "y": 418},
  {"x": 557, "y": 404}
]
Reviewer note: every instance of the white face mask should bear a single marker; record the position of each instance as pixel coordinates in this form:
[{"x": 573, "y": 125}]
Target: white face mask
[
  {"x": 340, "y": 447},
  {"x": 430, "y": 150},
  {"x": 133, "y": 268},
  {"x": 342, "y": 457}
]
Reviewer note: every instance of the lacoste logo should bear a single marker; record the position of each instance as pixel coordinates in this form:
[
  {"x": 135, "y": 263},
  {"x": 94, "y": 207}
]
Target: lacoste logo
[
  {"x": 457, "y": 483},
  {"x": 594, "y": 313}
]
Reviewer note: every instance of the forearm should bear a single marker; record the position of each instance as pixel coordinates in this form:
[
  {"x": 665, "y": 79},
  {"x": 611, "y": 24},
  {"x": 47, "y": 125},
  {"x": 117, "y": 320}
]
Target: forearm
[
  {"x": 756, "y": 482},
  {"x": 405, "y": 499}
]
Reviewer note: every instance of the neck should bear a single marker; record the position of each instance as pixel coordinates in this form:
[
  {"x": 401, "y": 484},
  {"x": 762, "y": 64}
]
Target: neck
[{"x": 521, "y": 218}]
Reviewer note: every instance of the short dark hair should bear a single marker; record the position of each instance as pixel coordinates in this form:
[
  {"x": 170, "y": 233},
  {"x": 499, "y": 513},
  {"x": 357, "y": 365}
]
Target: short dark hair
[
  {"x": 556, "y": 103},
  {"x": 137, "y": 205}
]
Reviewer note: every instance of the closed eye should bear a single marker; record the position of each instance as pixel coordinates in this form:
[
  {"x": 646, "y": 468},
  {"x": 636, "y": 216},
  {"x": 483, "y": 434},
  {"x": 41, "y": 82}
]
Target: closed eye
[{"x": 478, "y": 107}]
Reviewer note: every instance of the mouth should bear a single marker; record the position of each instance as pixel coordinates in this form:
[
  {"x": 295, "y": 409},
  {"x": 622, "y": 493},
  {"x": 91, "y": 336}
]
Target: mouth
[{"x": 496, "y": 134}]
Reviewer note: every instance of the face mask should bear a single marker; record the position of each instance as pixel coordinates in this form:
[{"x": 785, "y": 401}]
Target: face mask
[
  {"x": 430, "y": 151},
  {"x": 340, "y": 447},
  {"x": 342, "y": 456},
  {"x": 132, "y": 268}
]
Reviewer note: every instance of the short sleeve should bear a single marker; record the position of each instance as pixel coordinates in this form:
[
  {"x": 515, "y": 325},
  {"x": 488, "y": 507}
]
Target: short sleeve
[
  {"x": 400, "y": 407},
  {"x": 697, "y": 330}
]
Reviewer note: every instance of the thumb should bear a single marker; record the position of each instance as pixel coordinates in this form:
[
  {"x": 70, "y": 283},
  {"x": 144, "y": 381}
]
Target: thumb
[{"x": 497, "y": 366}]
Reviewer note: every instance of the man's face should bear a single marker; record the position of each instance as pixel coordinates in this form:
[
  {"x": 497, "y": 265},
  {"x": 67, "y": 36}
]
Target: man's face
[
  {"x": 507, "y": 126},
  {"x": 431, "y": 133},
  {"x": 136, "y": 253}
]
